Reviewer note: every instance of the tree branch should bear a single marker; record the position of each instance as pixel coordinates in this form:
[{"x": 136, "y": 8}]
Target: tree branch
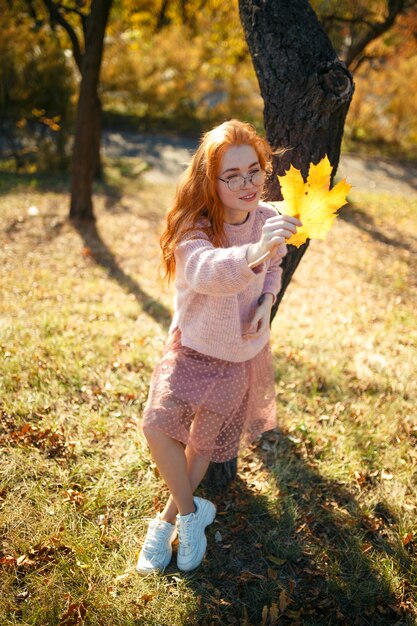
[
  {"x": 161, "y": 15},
  {"x": 395, "y": 8},
  {"x": 31, "y": 9},
  {"x": 81, "y": 15},
  {"x": 56, "y": 16},
  {"x": 346, "y": 20},
  {"x": 362, "y": 59}
]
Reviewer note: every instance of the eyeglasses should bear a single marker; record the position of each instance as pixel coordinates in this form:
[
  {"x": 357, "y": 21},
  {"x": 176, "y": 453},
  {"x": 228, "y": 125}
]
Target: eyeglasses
[{"x": 237, "y": 182}]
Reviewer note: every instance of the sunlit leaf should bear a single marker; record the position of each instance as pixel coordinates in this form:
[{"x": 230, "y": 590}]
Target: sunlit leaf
[{"x": 312, "y": 201}]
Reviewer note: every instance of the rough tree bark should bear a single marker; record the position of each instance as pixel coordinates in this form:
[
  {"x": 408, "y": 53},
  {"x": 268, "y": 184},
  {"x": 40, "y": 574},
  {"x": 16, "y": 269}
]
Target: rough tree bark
[
  {"x": 306, "y": 91},
  {"x": 88, "y": 114}
]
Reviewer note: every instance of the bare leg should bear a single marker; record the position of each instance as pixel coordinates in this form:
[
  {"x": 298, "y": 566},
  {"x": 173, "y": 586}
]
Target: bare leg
[
  {"x": 197, "y": 468},
  {"x": 170, "y": 458}
]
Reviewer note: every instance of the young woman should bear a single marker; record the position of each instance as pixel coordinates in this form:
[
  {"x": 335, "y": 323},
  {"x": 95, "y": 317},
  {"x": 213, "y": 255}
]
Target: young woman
[{"x": 213, "y": 390}]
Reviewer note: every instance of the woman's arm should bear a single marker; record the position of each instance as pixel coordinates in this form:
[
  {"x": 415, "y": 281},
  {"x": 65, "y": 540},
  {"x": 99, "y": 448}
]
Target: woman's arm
[
  {"x": 214, "y": 271},
  {"x": 272, "y": 282}
]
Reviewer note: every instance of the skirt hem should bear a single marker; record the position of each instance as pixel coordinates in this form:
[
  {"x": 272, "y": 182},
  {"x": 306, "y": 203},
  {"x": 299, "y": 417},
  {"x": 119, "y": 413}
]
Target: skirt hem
[{"x": 209, "y": 457}]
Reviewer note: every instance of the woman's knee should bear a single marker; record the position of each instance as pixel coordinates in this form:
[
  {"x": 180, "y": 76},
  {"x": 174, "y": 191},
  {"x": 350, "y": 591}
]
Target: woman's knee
[
  {"x": 154, "y": 434},
  {"x": 149, "y": 432}
]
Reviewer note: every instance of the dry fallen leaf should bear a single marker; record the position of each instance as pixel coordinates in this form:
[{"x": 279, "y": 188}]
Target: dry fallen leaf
[
  {"x": 147, "y": 597},
  {"x": 247, "y": 575},
  {"x": 284, "y": 601},
  {"x": 75, "y": 613},
  {"x": 270, "y": 615},
  {"x": 312, "y": 201},
  {"x": 272, "y": 573},
  {"x": 276, "y": 560}
]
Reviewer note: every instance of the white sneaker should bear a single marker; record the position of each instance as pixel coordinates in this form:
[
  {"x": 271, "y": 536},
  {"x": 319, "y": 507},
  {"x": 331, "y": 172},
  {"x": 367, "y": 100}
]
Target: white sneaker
[
  {"x": 191, "y": 534},
  {"x": 156, "y": 551}
]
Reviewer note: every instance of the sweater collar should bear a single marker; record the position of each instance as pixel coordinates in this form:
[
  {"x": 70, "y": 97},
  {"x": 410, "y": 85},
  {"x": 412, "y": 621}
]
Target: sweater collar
[{"x": 240, "y": 229}]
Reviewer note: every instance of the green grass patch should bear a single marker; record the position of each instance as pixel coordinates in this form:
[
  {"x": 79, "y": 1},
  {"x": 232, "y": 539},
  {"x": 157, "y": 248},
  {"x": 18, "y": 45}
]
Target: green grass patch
[{"x": 318, "y": 528}]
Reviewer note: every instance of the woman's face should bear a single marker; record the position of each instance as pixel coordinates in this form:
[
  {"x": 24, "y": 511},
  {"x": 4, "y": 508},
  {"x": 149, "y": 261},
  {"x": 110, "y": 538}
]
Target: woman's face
[{"x": 239, "y": 161}]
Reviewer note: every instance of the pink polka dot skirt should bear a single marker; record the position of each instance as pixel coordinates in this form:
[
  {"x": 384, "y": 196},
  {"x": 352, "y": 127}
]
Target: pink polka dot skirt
[{"x": 217, "y": 406}]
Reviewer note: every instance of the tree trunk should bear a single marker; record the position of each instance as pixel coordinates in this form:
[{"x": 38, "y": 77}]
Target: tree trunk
[
  {"x": 160, "y": 22},
  {"x": 306, "y": 91},
  {"x": 87, "y": 131},
  {"x": 97, "y": 166}
]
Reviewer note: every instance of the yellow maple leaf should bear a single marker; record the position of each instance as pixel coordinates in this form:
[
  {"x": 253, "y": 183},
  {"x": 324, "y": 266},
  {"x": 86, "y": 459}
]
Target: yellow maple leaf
[{"x": 312, "y": 201}]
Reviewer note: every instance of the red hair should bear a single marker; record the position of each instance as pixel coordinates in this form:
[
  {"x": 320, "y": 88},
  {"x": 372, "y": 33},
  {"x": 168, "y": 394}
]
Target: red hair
[{"x": 196, "y": 194}]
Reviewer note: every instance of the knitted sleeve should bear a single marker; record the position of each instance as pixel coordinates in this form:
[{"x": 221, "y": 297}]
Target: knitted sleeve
[
  {"x": 214, "y": 271},
  {"x": 272, "y": 282}
]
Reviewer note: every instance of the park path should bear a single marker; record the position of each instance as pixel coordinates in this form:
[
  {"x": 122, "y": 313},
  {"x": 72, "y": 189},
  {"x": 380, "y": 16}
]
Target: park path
[{"x": 167, "y": 155}]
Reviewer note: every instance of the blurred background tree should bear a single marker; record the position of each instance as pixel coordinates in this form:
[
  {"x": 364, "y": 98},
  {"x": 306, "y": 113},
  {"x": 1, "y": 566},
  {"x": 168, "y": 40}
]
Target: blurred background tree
[
  {"x": 378, "y": 41},
  {"x": 82, "y": 25},
  {"x": 37, "y": 87},
  {"x": 178, "y": 65},
  {"x": 353, "y": 24},
  {"x": 184, "y": 65},
  {"x": 383, "y": 116},
  {"x": 85, "y": 25}
]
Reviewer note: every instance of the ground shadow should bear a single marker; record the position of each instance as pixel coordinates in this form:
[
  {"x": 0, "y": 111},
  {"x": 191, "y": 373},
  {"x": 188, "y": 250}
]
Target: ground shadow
[
  {"x": 318, "y": 553},
  {"x": 104, "y": 257},
  {"x": 309, "y": 552},
  {"x": 353, "y": 214},
  {"x": 394, "y": 169},
  {"x": 167, "y": 153},
  {"x": 15, "y": 181},
  {"x": 334, "y": 579}
]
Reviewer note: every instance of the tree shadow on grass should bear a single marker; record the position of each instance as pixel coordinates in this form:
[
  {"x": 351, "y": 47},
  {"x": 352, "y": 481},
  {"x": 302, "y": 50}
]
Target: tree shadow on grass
[
  {"x": 306, "y": 559},
  {"x": 104, "y": 257},
  {"x": 399, "y": 170},
  {"x": 23, "y": 181},
  {"x": 363, "y": 221},
  {"x": 334, "y": 577},
  {"x": 318, "y": 555}
]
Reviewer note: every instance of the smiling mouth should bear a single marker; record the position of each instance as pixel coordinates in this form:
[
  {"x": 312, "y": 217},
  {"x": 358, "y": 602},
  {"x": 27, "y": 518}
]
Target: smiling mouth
[{"x": 249, "y": 196}]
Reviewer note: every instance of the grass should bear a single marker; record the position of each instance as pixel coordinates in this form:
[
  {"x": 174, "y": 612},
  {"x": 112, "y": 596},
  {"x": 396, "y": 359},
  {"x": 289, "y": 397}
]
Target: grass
[{"x": 319, "y": 527}]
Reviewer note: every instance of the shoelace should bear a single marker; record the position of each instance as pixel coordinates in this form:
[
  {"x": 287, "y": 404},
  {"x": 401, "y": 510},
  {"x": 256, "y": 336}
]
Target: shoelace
[
  {"x": 185, "y": 533},
  {"x": 152, "y": 540}
]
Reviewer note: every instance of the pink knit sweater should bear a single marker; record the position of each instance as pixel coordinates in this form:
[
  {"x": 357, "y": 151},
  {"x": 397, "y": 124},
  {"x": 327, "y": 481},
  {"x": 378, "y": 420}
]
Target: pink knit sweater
[{"x": 217, "y": 293}]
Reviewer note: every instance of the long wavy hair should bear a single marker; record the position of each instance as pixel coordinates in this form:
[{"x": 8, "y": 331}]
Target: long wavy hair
[{"x": 196, "y": 195}]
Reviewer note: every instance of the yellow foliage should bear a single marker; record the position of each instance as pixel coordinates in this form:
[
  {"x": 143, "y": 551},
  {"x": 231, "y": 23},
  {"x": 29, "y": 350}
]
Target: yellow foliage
[
  {"x": 182, "y": 73},
  {"x": 312, "y": 201}
]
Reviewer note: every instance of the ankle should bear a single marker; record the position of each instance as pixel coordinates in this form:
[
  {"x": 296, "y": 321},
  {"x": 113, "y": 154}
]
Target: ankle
[
  {"x": 187, "y": 512},
  {"x": 168, "y": 518}
]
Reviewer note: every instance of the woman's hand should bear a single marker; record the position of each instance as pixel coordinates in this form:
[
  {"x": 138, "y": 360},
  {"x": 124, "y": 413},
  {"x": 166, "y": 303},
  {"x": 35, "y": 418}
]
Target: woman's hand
[
  {"x": 276, "y": 230},
  {"x": 260, "y": 321},
  {"x": 274, "y": 233}
]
